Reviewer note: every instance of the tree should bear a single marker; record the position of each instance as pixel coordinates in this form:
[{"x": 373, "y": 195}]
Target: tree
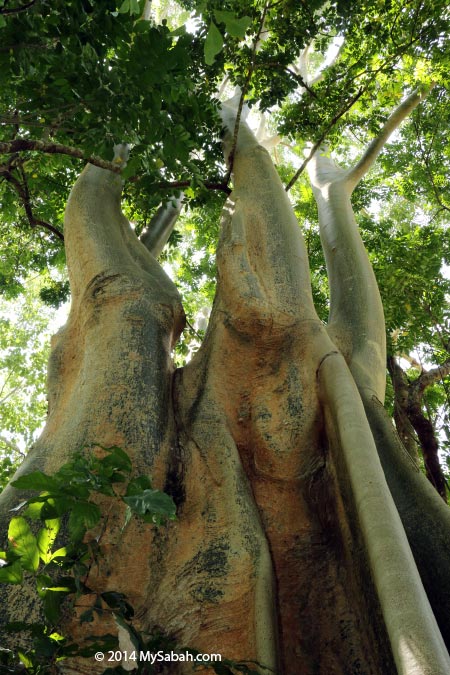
[
  {"x": 306, "y": 538},
  {"x": 24, "y": 354}
]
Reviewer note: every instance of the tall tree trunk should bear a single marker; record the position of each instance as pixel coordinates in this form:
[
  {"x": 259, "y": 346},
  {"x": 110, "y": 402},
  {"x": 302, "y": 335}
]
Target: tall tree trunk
[
  {"x": 288, "y": 549},
  {"x": 409, "y": 418}
]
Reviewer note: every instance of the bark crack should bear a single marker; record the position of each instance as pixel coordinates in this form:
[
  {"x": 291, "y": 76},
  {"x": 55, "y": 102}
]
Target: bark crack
[{"x": 334, "y": 351}]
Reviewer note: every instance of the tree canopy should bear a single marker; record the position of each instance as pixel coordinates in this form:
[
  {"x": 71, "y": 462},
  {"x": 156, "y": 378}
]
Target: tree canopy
[
  {"x": 76, "y": 78},
  {"x": 303, "y": 526}
]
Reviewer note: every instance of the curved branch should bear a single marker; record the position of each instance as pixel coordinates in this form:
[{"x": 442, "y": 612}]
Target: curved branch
[
  {"x": 322, "y": 137},
  {"x": 429, "y": 377},
  {"x": 24, "y": 145},
  {"x": 393, "y": 122},
  {"x": 356, "y": 318},
  {"x": 24, "y": 195},
  {"x": 155, "y": 236},
  {"x": 16, "y": 10},
  {"x": 9, "y": 444}
]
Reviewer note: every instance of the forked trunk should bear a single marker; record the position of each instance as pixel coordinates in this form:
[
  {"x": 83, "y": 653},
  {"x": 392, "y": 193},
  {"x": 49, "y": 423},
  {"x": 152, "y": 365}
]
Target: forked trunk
[{"x": 288, "y": 549}]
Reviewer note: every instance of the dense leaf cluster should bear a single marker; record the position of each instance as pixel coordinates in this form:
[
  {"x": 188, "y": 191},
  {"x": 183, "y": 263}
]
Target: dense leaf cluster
[{"x": 88, "y": 74}]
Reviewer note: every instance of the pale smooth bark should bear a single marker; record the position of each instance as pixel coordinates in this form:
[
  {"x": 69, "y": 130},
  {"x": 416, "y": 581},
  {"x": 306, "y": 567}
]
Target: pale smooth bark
[
  {"x": 414, "y": 635},
  {"x": 356, "y": 320},
  {"x": 156, "y": 235},
  {"x": 288, "y": 549}
]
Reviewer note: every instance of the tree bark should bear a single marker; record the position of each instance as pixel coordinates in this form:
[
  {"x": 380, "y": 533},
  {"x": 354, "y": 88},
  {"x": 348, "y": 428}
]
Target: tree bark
[
  {"x": 288, "y": 549},
  {"x": 409, "y": 418}
]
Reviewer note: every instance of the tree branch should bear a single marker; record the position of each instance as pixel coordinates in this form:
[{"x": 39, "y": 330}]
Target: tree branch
[
  {"x": 16, "y": 10},
  {"x": 24, "y": 194},
  {"x": 321, "y": 139},
  {"x": 10, "y": 445},
  {"x": 155, "y": 236},
  {"x": 168, "y": 185},
  {"x": 408, "y": 403},
  {"x": 429, "y": 377},
  {"x": 24, "y": 145},
  {"x": 375, "y": 147},
  {"x": 298, "y": 77}
]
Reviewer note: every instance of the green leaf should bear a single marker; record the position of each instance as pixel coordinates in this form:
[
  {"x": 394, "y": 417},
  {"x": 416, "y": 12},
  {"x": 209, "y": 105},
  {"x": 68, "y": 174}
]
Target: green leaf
[
  {"x": 37, "y": 480},
  {"x": 134, "y": 7},
  {"x": 124, "y": 7},
  {"x": 46, "y": 538},
  {"x": 52, "y": 602},
  {"x": 234, "y": 26},
  {"x": 23, "y": 542},
  {"x": 83, "y": 516},
  {"x": 59, "y": 553},
  {"x": 137, "y": 485},
  {"x": 25, "y": 660},
  {"x": 43, "y": 582},
  {"x": 151, "y": 503},
  {"x": 87, "y": 616},
  {"x": 11, "y": 574},
  {"x": 53, "y": 507},
  {"x": 213, "y": 43},
  {"x": 117, "y": 459}
]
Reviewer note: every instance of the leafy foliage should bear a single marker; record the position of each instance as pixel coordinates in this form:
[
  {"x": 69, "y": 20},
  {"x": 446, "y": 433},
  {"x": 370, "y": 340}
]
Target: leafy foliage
[
  {"x": 24, "y": 347},
  {"x": 154, "y": 84},
  {"x": 65, "y": 505}
]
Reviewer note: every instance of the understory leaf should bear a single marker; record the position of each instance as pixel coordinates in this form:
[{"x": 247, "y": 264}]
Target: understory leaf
[
  {"x": 23, "y": 543},
  {"x": 213, "y": 43}
]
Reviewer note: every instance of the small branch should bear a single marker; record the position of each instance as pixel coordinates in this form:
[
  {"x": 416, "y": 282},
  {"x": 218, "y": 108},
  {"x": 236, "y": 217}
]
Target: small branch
[
  {"x": 16, "y": 10},
  {"x": 298, "y": 77},
  {"x": 426, "y": 161},
  {"x": 429, "y": 377},
  {"x": 25, "y": 145},
  {"x": 11, "y": 393},
  {"x": 223, "y": 187},
  {"x": 375, "y": 147},
  {"x": 156, "y": 235},
  {"x": 10, "y": 445},
  {"x": 319, "y": 142},
  {"x": 193, "y": 331},
  {"x": 24, "y": 195},
  {"x": 302, "y": 82}
]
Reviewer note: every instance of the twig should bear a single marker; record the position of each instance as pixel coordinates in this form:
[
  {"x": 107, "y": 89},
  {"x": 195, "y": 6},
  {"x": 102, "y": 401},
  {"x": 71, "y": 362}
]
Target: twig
[
  {"x": 299, "y": 78},
  {"x": 167, "y": 185},
  {"x": 16, "y": 10},
  {"x": 319, "y": 142},
  {"x": 22, "y": 190}
]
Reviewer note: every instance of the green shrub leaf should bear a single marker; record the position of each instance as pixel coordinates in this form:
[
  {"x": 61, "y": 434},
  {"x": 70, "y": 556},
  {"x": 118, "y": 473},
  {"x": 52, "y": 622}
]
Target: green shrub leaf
[
  {"x": 151, "y": 503},
  {"x": 36, "y": 481},
  {"x": 23, "y": 543},
  {"x": 234, "y": 26},
  {"x": 11, "y": 574},
  {"x": 213, "y": 43}
]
